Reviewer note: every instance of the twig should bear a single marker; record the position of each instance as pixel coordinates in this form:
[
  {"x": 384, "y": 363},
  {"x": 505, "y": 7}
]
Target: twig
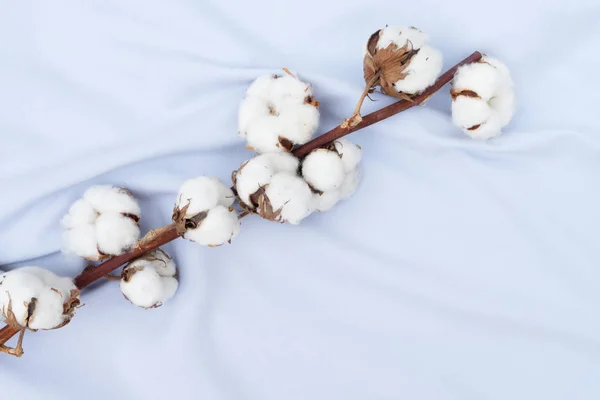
[{"x": 168, "y": 233}]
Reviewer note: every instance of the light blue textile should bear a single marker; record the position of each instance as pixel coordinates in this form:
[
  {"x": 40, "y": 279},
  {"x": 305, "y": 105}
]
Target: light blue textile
[{"x": 459, "y": 269}]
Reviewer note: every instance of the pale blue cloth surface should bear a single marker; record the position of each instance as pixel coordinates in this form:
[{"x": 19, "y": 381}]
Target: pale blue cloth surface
[{"x": 459, "y": 269}]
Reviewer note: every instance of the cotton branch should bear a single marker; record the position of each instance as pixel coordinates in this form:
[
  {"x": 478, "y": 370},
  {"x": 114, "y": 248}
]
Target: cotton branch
[
  {"x": 384, "y": 113},
  {"x": 168, "y": 233}
]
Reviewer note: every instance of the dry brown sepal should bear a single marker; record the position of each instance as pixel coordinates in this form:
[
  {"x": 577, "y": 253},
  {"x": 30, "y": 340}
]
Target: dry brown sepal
[{"x": 184, "y": 223}]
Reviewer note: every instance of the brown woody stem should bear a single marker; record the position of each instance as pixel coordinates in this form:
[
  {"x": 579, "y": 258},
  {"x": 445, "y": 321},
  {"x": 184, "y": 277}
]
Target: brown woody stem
[
  {"x": 356, "y": 115},
  {"x": 168, "y": 233},
  {"x": 386, "y": 112}
]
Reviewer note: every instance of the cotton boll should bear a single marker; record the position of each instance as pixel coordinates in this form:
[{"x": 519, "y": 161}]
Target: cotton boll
[
  {"x": 422, "y": 71},
  {"x": 277, "y": 113},
  {"x": 350, "y": 153},
  {"x": 116, "y": 233},
  {"x": 323, "y": 170},
  {"x": 80, "y": 213},
  {"x": 399, "y": 60},
  {"x": 108, "y": 198},
  {"x": 290, "y": 194},
  {"x": 350, "y": 184},
  {"x": 36, "y": 298},
  {"x": 201, "y": 193},
  {"x": 483, "y": 98},
  {"x": 220, "y": 226},
  {"x": 147, "y": 288},
  {"x": 81, "y": 241},
  {"x": 326, "y": 200}
]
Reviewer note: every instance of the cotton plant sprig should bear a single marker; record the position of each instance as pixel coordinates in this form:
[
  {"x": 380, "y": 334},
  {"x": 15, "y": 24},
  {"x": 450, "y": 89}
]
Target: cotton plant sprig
[{"x": 290, "y": 178}]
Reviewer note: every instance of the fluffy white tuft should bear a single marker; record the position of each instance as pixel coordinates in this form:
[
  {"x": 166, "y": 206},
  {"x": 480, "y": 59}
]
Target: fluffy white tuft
[
  {"x": 422, "y": 71},
  {"x": 108, "y": 198},
  {"x": 81, "y": 240},
  {"x": 202, "y": 194},
  {"x": 36, "y": 298},
  {"x": 350, "y": 184},
  {"x": 277, "y": 109},
  {"x": 220, "y": 226},
  {"x": 326, "y": 200},
  {"x": 484, "y": 100},
  {"x": 350, "y": 153},
  {"x": 292, "y": 195},
  {"x": 116, "y": 233},
  {"x": 150, "y": 280},
  {"x": 400, "y": 36},
  {"x": 323, "y": 169}
]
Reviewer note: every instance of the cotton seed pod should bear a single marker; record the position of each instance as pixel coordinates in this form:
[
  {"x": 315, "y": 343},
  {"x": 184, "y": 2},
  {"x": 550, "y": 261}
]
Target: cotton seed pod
[
  {"x": 36, "y": 298},
  {"x": 103, "y": 223},
  {"x": 278, "y": 113},
  {"x": 151, "y": 280},
  {"x": 269, "y": 185},
  {"x": 483, "y": 100},
  {"x": 203, "y": 212},
  {"x": 258, "y": 172},
  {"x": 399, "y": 61}
]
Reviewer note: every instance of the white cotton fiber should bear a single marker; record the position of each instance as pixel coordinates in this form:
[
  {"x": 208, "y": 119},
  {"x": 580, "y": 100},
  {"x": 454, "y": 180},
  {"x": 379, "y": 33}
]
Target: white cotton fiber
[
  {"x": 326, "y": 200},
  {"x": 202, "y": 194},
  {"x": 422, "y": 71},
  {"x": 350, "y": 153},
  {"x": 292, "y": 195},
  {"x": 108, "y": 198},
  {"x": 81, "y": 240},
  {"x": 350, "y": 184},
  {"x": 220, "y": 226},
  {"x": 116, "y": 233},
  {"x": 323, "y": 170},
  {"x": 402, "y": 35}
]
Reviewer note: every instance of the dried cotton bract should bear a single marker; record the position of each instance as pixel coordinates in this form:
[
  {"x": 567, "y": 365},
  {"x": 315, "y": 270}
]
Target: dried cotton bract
[
  {"x": 483, "y": 100},
  {"x": 399, "y": 60},
  {"x": 150, "y": 280},
  {"x": 332, "y": 173},
  {"x": 35, "y": 298},
  {"x": 103, "y": 223},
  {"x": 269, "y": 186},
  {"x": 277, "y": 113},
  {"x": 204, "y": 212}
]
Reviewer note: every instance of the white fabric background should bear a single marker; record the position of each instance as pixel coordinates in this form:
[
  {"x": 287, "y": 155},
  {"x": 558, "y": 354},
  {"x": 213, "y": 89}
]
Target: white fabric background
[{"x": 459, "y": 270}]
